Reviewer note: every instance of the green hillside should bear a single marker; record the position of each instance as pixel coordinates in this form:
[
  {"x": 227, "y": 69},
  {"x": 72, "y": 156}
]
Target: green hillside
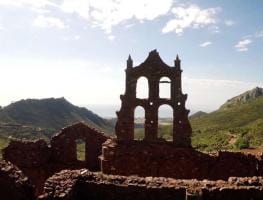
[
  {"x": 237, "y": 123},
  {"x": 39, "y": 118}
]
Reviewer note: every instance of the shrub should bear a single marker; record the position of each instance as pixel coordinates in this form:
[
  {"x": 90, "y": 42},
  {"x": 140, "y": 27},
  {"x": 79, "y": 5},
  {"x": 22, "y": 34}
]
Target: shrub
[{"x": 242, "y": 142}]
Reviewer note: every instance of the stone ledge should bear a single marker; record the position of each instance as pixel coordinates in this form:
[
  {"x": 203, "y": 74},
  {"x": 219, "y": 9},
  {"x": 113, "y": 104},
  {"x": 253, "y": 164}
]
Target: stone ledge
[{"x": 83, "y": 184}]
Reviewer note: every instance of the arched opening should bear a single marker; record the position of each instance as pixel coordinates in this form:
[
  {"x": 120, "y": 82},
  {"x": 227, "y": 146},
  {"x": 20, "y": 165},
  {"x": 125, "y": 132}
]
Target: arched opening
[
  {"x": 139, "y": 123},
  {"x": 165, "y": 122},
  {"x": 165, "y": 88},
  {"x": 80, "y": 149},
  {"x": 142, "y": 88}
]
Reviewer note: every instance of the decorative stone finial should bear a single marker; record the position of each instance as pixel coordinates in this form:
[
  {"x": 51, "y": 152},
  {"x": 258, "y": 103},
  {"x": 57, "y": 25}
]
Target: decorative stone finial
[
  {"x": 177, "y": 62},
  {"x": 129, "y": 62}
]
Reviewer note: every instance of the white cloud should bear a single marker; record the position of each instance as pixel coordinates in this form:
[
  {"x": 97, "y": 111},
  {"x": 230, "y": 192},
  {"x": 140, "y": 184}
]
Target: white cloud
[
  {"x": 129, "y": 26},
  {"x": 48, "y": 22},
  {"x": 1, "y": 27},
  {"x": 109, "y": 13},
  {"x": 79, "y": 7},
  {"x": 76, "y": 37},
  {"x": 205, "y": 44},
  {"x": 190, "y": 17},
  {"x": 259, "y": 34},
  {"x": 214, "y": 29},
  {"x": 242, "y": 45},
  {"x": 101, "y": 13},
  {"x": 106, "y": 14},
  {"x": 34, "y": 3},
  {"x": 40, "y": 10},
  {"x": 229, "y": 22},
  {"x": 111, "y": 37}
]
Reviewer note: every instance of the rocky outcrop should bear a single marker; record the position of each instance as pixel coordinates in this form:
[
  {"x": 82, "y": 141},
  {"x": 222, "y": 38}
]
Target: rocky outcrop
[
  {"x": 244, "y": 97},
  {"x": 13, "y": 184}
]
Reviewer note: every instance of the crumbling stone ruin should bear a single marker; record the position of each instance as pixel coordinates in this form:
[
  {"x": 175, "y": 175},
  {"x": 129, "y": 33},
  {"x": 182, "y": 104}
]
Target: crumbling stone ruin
[
  {"x": 83, "y": 185},
  {"x": 39, "y": 161},
  {"x": 154, "y": 69},
  {"x": 14, "y": 185},
  {"x": 125, "y": 168},
  {"x": 164, "y": 160}
]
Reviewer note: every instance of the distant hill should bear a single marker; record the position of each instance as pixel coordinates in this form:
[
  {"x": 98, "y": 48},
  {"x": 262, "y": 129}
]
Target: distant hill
[
  {"x": 240, "y": 118},
  {"x": 45, "y": 116},
  {"x": 198, "y": 115}
]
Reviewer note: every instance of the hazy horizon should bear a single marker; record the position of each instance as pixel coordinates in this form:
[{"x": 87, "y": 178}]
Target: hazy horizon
[{"x": 109, "y": 110}]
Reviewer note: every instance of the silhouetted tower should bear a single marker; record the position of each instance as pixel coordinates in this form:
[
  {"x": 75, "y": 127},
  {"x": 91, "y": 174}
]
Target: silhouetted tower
[{"x": 153, "y": 68}]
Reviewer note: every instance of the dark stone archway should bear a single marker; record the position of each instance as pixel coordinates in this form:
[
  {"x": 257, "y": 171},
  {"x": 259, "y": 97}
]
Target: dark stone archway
[{"x": 153, "y": 68}]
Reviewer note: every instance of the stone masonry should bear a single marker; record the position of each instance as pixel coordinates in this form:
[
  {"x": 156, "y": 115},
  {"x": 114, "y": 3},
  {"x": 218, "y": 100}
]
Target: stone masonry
[
  {"x": 153, "y": 68},
  {"x": 162, "y": 159},
  {"x": 14, "y": 185},
  {"x": 83, "y": 185},
  {"x": 39, "y": 161}
]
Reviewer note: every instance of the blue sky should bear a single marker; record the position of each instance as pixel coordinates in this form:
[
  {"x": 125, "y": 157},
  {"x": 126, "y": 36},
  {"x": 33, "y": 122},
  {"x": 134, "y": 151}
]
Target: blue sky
[{"x": 78, "y": 48}]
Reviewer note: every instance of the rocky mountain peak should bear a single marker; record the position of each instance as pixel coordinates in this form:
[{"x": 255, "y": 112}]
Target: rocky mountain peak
[{"x": 244, "y": 97}]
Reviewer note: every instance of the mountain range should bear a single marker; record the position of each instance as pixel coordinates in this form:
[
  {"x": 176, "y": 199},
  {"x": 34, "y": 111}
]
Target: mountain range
[
  {"x": 43, "y": 117},
  {"x": 240, "y": 119}
]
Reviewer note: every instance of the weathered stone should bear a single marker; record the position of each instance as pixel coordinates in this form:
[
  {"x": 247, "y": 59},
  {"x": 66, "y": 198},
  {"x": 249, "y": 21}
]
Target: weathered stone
[
  {"x": 13, "y": 184},
  {"x": 153, "y": 68},
  {"x": 38, "y": 161},
  {"x": 159, "y": 159},
  {"x": 82, "y": 185},
  {"x": 63, "y": 147}
]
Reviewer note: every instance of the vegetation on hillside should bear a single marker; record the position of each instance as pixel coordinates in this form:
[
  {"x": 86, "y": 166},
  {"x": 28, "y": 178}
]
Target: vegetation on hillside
[
  {"x": 33, "y": 118},
  {"x": 3, "y": 144},
  {"x": 237, "y": 124}
]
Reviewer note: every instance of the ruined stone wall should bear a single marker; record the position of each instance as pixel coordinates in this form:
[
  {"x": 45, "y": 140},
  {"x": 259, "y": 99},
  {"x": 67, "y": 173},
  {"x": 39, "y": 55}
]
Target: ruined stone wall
[
  {"x": 162, "y": 159},
  {"x": 32, "y": 157},
  {"x": 39, "y": 161},
  {"x": 13, "y": 184},
  {"x": 63, "y": 147},
  {"x": 83, "y": 185},
  {"x": 154, "y": 69}
]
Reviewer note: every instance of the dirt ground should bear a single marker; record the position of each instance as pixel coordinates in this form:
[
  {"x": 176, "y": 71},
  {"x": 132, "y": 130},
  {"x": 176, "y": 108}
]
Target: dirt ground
[{"x": 254, "y": 151}]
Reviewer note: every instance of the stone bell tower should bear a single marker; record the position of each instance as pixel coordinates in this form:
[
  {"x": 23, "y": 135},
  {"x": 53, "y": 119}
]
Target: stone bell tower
[{"x": 153, "y": 68}]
